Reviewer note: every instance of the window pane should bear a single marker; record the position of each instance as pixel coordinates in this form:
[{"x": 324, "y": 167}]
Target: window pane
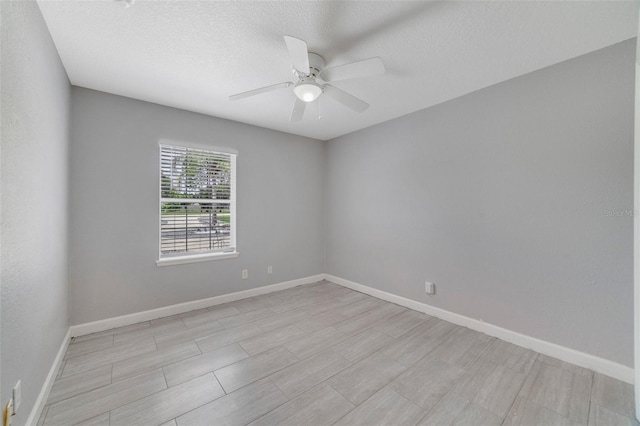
[
  {"x": 193, "y": 174},
  {"x": 194, "y": 228},
  {"x": 196, "y": 201}
]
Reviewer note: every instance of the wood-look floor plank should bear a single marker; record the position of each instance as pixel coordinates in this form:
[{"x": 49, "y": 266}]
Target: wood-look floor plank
[
  {"x": 237, "y": 408},
  {"x": 362, "y": 345},
  {"x": 305, "y": 374},
  {"x": 321, "y": 321},
  {"x": 111, "y": 332},
  {"x": 600, "y": 416},
  {"x": 362, "y": 321},
  {"x": 82, "y": 363},
  {"x": 336, "y": 291},
  {"x": 222, "y": 338},
  {"x": 531, "y": 379},
  {"x": 401, "y": 323},
  {"x": 101, "y": 420},
  {"x": 88, "y": 346},
  {"x": 177, "y": 337},
  {"x": 151, "y": 331},
  {"x": 427, "y": 382},
  {"x": 564, "y": 365},
  {"x": 385, "y": 407},
  {"x": 169, "y": 403},
  {"x": 474, "y": 415},
  {"x": 246, "y": 317},
  {"x": 360, "y": 306},
  {"x": 211, "y": 314},
  {"x": 321, "y": 405},
  {"x": 88, "y": 405},
  {"x": 462, "y": 348},
  {"x": 445, "y": 411},
  {"x": 525, "y": 413},
  {"x": 199, "y": 365},
  {"x": 254, "y": 303},
  {"x": 77, "y": 384},
  {"x": 499, "y": 351},
  {"x": 511, "y": 356},
  {"x": 414, "y": 345},
  {"x": 153, "y": 360},
  {"x": 562, "y": 391},
  {"x": 352, "y": 296},
  {"x": 304, "y": 303},
  {"x": 613, "y": 395},
  {"x": 332, "y": 305},
  {"x": 474, "y": 378},
  {"x": 361, "y": 380},
  {"x": 315, "y": 342},
  {"x": 249, "y": 370},
  {"x": 499, "y": 391},
  {"x": 521, "y": 360},
  {"x": 270, "y": 339},
  {"x": 283, "y": 320}
]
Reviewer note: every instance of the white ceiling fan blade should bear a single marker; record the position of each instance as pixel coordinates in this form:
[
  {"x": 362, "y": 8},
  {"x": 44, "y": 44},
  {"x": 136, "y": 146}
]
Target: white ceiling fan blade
[
  {"x": 344, "y": 98},
  {"x": 298, "y": 53},
  {"x": 260, "y": 90},
  {"x": 363, "y": 68},
  {"x": 298, "y": 110},
  {"x": 313, "y": 108}
]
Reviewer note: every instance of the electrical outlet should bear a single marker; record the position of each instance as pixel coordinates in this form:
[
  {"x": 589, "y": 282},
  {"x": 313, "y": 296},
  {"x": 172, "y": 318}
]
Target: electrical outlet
[
  {"x": 17, "y": 398},
  {"x": 429, "y": 288},
  {"x": 245, "y": 274},
  {"x": 269, "y": 270},
  {"x": 8, "y": 413}
]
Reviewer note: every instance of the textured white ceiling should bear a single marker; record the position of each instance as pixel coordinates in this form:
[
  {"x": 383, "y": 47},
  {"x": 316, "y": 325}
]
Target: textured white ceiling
[{"x": 194, "y": 54}]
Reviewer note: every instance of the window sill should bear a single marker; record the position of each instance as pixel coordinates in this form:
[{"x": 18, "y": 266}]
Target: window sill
[{"x": 179, "y": 260}]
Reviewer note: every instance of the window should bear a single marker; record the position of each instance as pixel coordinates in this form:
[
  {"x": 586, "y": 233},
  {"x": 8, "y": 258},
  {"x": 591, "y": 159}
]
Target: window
[{"x": 197, "y": 204}]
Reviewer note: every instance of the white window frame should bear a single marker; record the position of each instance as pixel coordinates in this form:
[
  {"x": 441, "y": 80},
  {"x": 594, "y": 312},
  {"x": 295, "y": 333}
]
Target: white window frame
[{"x": 179, "y": 259}]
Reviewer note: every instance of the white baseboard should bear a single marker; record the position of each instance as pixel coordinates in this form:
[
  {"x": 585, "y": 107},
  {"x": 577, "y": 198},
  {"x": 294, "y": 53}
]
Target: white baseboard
[
  {"x": 180, "y": 308},
  {"x": 34, "y": 416},
  {"x": 600, "y": 365}
]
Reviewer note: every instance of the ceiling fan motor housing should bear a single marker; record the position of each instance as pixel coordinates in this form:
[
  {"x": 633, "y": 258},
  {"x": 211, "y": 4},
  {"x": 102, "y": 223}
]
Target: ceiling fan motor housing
[
  {"x": 316, "y": 64},
  {"x": 307, "y": 89}
]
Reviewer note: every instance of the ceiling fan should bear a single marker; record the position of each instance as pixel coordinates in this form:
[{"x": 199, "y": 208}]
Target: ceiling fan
[{"x": 312, "y": 78}]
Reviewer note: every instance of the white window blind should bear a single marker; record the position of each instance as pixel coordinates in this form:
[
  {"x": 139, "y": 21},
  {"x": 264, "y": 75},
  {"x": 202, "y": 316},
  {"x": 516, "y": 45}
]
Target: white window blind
[{"x": 197, "y": 201}]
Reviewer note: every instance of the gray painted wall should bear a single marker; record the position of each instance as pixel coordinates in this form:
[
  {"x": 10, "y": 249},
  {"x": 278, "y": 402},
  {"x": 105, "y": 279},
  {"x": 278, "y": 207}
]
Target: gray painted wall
[
  {"x": 501, "y": 197},
  {"x": 33, "y": 175},
  {"x": 114, "y": 207}
]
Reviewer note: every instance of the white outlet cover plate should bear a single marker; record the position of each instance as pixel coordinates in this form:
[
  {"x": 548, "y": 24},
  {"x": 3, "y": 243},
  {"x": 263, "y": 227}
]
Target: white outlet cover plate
[{"x": 429, "y": 288}]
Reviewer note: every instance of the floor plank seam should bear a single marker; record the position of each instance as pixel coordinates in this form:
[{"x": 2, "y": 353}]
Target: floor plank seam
[{"x": 524, "y": 382}]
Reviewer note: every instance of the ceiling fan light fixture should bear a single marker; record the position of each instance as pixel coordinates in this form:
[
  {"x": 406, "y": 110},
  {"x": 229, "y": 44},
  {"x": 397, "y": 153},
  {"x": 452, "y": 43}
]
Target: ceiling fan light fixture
[{"x": 307, "y": 91}]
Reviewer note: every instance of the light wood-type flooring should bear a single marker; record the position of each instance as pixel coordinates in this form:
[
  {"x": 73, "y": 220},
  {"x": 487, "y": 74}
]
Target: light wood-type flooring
[{"x": 321, "y": 354}]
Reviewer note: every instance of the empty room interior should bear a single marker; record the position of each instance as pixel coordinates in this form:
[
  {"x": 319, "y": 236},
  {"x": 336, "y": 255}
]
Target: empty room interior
[{"x": 319, "y": 212}]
